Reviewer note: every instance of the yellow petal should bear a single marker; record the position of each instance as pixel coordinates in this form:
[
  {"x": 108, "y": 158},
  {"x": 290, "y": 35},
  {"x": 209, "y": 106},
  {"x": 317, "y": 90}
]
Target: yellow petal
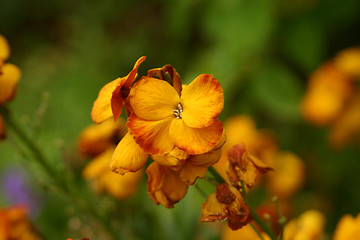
[
  {"x": 9, "y": 78},
  {"x": 153, "y": 99},
  {"x": 128, "y": 156},
  {"x": 102, "y": 106},
  {"x": 202, "y": 101},
  {"x": 4, "y": 48},
  {"x": 152, "y": 136},
  {"x": 164, "y": 185},
  {"x": 98, "y": 165},
  {"x": 174, "y": 158},
  {"x": 2, "y": 128},
  {"x": 189, "y": 173},
  {"x": 195, "y": 140}
]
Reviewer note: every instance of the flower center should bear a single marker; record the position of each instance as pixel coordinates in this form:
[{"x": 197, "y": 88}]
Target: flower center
[{"x": 177, "y": 112}]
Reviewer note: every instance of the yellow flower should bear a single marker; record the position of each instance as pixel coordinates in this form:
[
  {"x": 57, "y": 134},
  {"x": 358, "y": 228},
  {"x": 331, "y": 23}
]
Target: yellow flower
[
  {"x": 348, "y": 61},
  {"x": 308, "y": 225},
  {"x": 100, "y": 141},
  {"x": 9, "y": 78},
  {"x": 113, "y": 96},
  {"x": 163, "y": 119},
  {"x": 15, "y": 225},
  {"x": 288, "y": 177},
  {"x": 328, "y": 91},
  {"x": 348, "y": 228},
  {"x": 245, "y": 233}
]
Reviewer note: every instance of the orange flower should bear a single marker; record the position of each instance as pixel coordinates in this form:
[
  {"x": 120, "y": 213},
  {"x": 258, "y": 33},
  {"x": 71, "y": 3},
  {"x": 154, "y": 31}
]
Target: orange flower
[
  {"x": 348, "y": 228},
  {"x": 15, "y": 225},
  {"x": 113, "y": 96},
  {"x": 348, "y": 61},
  {"x": 100, "y": 141},
  {"x": 308, "y": 225},
  {"x": 229, "y": 204},
  {"x": 9, "y": 78},
  {"x": 163, "y": 119},
  {"x": 243, "y": 166}
]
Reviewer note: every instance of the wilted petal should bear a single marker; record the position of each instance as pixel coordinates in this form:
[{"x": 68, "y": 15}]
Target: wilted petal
[
  {"x": 195, "y": 140},
  {"x": 164, "y": 185},
  {"x": 9, "y": 78},
  {"x": 202, "y": 101},
  {"x": 4, "y": 48},
  {"x": 172, "y": 159},
  {"x": 212, "y": 210},
  {"x": 152, "y": 136},
  {"x": 153, "y": 99},
  {"x": 128, "y": 156},
  {"x": 189, "y": 172}
]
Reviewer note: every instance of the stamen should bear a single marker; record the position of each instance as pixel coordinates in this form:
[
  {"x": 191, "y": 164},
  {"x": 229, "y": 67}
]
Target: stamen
[{"x": 177, "y": 112}]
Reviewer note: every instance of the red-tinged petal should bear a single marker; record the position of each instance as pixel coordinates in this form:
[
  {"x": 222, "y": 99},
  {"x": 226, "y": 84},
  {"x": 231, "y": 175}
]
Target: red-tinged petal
[
  {"x": 195, "y": 140},
  {"x": 2, "y": 128},
  {"x": 128, "y": 156},
  {"x": 102, "y": 106},
  {"x": 130, "y": 78},
  {"x": 169, "y": 74},
  {"x": 202, "y": 101},
  {"x": 164, "y": 185},
  {"x": 153, "y": 99},
  {"x": 152, "y": 136},
  {"x": 9, "y": 78}
]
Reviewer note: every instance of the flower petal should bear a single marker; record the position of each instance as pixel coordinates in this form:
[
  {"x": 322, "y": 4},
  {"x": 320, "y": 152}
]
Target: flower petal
[
  {"x": 98, "y": 165},
  {"x": 164, "y": 185},
  {"x": 128, "y": 156},
  {"x": 202, "y": 101},
  {"x": 2, "y": 128},
  {"x": 102, "y": 106},
  {"x": 195, "y": 140},
  {"x": 153, "y": 99},
  {"x": 189, "y": 173},
  {"x": 212, "y": 210},
  {"x": 9, "y": 78},
  {"x": 175, "y": 158},
  {"x": 4, "y": 48},
  {"x": 152, "y": 136},
  {"x": 169, "y": 74}
]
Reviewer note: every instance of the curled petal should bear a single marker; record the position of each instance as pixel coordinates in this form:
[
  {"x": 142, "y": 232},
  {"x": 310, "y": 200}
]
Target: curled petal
[
  {"x": 195, "y": 140},
  {"x": 169, "y": 74},
  {"x": 102, "y": 106},
  {"x": 2, "y": 128},
  {"x": 189, "y": 173},
  {"x": 212, "y": 210},
  {"x": 4, "y": 48},
  {"x": 164, "y": 185},
  {"x": 153, "y": 99},
  {"x": 9, "y": 78},
  {"x": 174, "y": 158},
  {"x": 152, "y": 136},
  {"x": 128, "y": 156},
  {"x": 202, "y": 101}
]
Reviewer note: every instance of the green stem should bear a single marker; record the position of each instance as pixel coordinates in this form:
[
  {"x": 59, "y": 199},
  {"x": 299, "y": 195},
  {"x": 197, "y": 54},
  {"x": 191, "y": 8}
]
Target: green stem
[
  {"x": 60, "y": 184},
  {"x": 282, "y": 218},
  {"x": 216, "y": 175},
  {"x": 257, "y": 231}
]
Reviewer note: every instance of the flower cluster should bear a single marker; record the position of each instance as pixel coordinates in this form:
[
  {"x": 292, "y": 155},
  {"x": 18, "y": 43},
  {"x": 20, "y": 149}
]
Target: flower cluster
[
  {"x": 99, "y": 142},
  {"x": 9, "y": 77},
  {"x": 332, "y": 98},
  {"x": 176, "y": 125},
  {"x": 14, "y": 224}
]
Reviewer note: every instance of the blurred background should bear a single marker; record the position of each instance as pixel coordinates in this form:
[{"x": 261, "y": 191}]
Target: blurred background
[{"x": 262, "y": 52}]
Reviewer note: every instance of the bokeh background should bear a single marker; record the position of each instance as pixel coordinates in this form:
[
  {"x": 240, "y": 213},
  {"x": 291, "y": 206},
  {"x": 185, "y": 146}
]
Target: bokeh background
[{"x": 262, "y": 52}]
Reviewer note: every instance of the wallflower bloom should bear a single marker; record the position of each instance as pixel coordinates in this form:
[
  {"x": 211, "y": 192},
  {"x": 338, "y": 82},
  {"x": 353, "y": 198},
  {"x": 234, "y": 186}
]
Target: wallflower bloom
[
  {"x": 245, "y": 233},
  {"x": 15, "y": 225},
  {"x": 164, "y": 119},
  {"x": 100, "y": 141},
  {"x": 348, "y": 228},
  {"x": 308, "y": 225},
  {"x": 9, "y": 78},
  {"x": 348, "y": 61}
]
